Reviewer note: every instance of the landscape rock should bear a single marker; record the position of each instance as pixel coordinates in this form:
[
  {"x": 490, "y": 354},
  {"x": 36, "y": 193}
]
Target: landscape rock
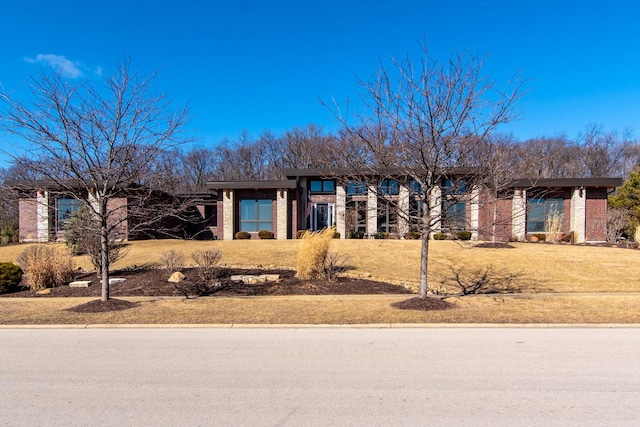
[
  {"x": 177, "y": 277},
  {"x": 80, "y": 284}
]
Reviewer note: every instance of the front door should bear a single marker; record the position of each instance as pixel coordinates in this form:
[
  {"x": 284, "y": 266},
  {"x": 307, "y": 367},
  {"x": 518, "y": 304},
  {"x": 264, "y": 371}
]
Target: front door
[{"x": 322, "y": 216}]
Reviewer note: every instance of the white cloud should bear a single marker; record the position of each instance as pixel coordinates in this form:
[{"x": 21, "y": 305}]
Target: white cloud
[{"x": 60, "y": 64}]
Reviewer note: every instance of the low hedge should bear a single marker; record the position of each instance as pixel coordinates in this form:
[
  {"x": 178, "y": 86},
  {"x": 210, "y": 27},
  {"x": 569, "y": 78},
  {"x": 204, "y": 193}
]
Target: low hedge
[{"x": 243, "y": 235}]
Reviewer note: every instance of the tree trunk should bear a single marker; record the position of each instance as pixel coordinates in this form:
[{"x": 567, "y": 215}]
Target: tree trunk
[
  {"x": 424, "y": 265},
  {"x": 104, "y": 250}
]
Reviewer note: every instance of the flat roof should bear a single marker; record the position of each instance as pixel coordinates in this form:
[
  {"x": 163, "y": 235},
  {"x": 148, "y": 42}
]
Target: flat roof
[
  {"x": 251, "y": 185},
  {"x": 566, "y": 182}
]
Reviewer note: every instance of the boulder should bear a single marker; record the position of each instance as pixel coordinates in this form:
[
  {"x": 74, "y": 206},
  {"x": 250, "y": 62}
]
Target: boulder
[
  {"x": 177, "y": 277},
  {"x": 80, "y": 284}
]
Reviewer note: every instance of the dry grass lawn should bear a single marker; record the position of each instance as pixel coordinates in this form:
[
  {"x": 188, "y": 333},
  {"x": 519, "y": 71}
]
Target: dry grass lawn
[
  {"x": 606, "y": 273},
  {"x": 329, "y": 310},
  {"x": 544, "y": 267}
]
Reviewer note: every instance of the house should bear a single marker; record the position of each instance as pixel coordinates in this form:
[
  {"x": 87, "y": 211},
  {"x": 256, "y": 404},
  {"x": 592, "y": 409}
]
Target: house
[
  {"x": 44, "y": 209},
  {"x": 375, "y": 205},
  {"x": 313, "y": 199}
]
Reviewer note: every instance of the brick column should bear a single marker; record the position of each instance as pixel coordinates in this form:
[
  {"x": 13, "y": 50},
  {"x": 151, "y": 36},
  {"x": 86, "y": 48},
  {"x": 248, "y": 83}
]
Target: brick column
[
  {"x": 403, "y": 210},
  {"x": 341, "y": 211},
  {"x": 372, "y": 211},
  {"x": 282, "y": 196},
  {"x": 43, "y": 220},
  {"x": 519, "y": 214},
  {"x": 578, "y": 219},
  {"x": 475, "y": 212},
  {"x": 228, "y": 214}
]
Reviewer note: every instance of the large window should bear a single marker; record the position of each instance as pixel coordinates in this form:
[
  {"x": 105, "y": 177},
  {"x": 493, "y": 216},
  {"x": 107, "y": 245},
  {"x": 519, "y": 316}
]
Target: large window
[
  {"x": 327, "y": 186},
  {"x": 454, "y": 187},
  {"x": 389, "y": 187},
  {"x": 455, "y": 216},
  {"x": 66, "y": 207},
  {"x": 256, "y": 215},
  {"x": 356, "y": 216},
  {"x": 356, "y": 188},
  {"x": 387, "y": 217},
  {"x": 540, "y": 210}
]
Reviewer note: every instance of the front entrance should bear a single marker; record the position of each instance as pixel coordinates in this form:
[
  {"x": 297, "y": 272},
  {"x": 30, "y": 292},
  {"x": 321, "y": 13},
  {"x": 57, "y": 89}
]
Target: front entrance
[{"x": 322, "y": 216}]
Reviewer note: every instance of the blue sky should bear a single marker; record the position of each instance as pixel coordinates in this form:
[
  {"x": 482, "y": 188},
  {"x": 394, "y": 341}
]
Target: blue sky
[{"x": 259, "y": 65}]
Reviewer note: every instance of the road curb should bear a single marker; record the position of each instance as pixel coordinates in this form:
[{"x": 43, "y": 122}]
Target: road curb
[{"x": 339, "y": 326}]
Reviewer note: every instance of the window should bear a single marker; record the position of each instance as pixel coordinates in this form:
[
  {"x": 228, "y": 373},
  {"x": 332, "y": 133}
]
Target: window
[
  {"x": 256, "y": 215},
  {"x": 454, "y": 217},
  {"x": 66, "y": 207},
  {"x": 322, "y": 186},
  {"x": 416, "y": 213},
  {"x": 454, "y": 187},
  {"x": 540, "y": 210},
  {"x": 414, "y": 187},
  {"x": 356, "y": 189},
  {"x": 389, "y": 187},
  {"x": 356, "y": 216},
  {"x": 387, "y": 217}
]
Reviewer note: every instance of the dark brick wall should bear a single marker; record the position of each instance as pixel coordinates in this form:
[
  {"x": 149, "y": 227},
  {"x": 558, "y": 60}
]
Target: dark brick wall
[
  {"x": 596, "y": 215},
  {"x": 28, "y": 219}
]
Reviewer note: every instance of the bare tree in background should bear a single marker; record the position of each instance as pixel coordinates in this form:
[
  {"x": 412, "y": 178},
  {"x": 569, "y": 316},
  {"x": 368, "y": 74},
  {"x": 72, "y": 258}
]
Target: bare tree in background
[
  {"x": 96, "y": 139},
  {"x": 420, "y": 121}
]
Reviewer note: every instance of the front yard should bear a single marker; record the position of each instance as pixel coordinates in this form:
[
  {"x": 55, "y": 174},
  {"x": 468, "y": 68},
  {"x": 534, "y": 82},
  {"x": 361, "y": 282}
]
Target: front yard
[{"x": 556, "y": 284}]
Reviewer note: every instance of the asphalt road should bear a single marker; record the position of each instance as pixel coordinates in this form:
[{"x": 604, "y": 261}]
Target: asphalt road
[{"x": 322, "y": 377}]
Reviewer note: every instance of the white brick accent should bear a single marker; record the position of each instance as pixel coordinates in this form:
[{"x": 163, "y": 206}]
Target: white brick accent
[
  {"x": 42, "y": 206},
  {"x": 578, "y": 213},
  {"x": 341, "y": 211},
  {"x": 281, "y": 214},
  {"x": 372, "y": 211},
  {"x": 519, "y": 214},
  {"x": 475, "y": 211},
  {"x": 227, "y": 214},
  {"x": 403, "y": 210}
]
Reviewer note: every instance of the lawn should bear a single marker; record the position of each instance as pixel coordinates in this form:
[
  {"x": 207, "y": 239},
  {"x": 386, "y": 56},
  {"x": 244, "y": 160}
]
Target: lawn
[{"x": 608, "y": 273}]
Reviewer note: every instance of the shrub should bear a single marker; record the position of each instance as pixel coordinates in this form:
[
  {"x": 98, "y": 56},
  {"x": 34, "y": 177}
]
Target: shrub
[
  {"x": 173, "y": 261},
  {"x": 336, "y": 235},
  {"x": 463, "y": 235},
  {"x": 9, "y": 234},
  {"x": 356, "y": 234},
  {"x": 45, "y": 266},
  {"x": 554, "y": 227},
  {"x": 413, "y": 235},
  {"x": 539, "y": 237},
  {"x": 207, "y": 260},
  {"x": 10, "y": 276},
  {"x": 300, "y": 233},
  {"x": 243, "y": 235},
  {"x": 335, "y": 263},
  {"x": 265, "y": 234},
  {"x": 312, "y": 254},
  {"x": 381, "y": 235},
  {"x": 439, "y": 236}
]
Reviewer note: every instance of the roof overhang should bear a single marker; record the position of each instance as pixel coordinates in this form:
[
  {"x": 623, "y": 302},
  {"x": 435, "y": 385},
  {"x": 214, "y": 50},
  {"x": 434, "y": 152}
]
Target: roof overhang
[
  {"x": 252, "y": 185},
  {"x": 567, "y": 182}
]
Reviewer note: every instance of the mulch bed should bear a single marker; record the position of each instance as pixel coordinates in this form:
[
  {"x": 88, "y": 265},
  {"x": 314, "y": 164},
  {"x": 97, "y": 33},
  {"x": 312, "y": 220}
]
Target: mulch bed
[
  {"x": 424, "y": 304},
  {"x": 153, "y": 283}
]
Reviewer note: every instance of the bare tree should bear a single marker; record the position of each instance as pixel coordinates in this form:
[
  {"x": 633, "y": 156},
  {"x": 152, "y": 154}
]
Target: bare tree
[
  {"x": 421, "y": 120},
  {"x": 96, "y": 141},
  {"x": 602, "y": 152},
  {"x": 495, "y": 157}
]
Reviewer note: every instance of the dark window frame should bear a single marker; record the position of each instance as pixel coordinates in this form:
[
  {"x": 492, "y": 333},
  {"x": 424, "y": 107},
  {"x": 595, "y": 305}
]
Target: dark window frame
[
  {"x": 258, "y": 222},
  {"x": 327, "y": 186}
]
